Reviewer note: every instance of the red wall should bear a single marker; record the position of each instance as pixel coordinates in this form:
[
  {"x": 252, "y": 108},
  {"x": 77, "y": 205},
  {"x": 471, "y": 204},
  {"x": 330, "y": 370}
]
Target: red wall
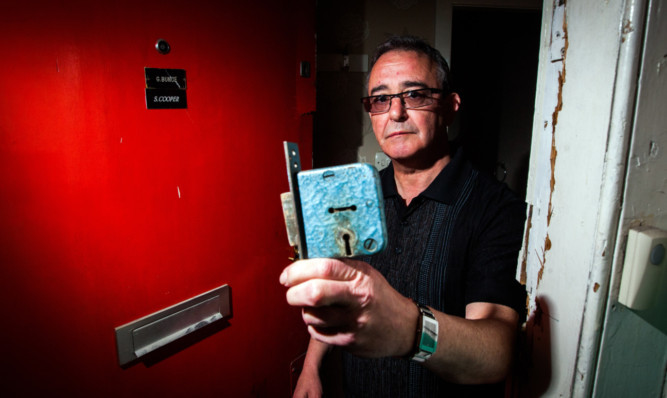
[{"x": 110, "y": 211}]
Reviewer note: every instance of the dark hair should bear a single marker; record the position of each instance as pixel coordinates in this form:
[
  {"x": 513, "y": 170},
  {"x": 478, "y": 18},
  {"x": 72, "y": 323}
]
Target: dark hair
[{"x": 420, "y": 46}]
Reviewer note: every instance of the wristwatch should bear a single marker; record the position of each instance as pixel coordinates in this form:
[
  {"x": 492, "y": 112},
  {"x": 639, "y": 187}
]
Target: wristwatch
[{"x": 426, "y": 339}]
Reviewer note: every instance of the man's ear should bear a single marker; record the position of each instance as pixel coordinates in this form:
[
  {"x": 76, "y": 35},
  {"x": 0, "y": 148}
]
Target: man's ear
[{"x": 450, "y": 105}]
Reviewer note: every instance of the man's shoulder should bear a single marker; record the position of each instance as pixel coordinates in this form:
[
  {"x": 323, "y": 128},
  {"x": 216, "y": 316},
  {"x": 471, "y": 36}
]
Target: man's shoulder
[
  {"x": 491, "y": 188},
  {"x": 492, "y": 202}
]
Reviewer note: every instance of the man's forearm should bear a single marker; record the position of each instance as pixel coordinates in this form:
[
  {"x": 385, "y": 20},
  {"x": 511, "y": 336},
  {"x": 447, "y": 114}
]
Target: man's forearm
[
  {"x": 315, "y": 355},
  {"x": 310, "y": 384},
  {"x": 473, "y": 351}
]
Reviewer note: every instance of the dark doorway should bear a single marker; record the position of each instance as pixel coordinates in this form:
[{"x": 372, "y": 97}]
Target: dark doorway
[{"x": 494, "y": 67}]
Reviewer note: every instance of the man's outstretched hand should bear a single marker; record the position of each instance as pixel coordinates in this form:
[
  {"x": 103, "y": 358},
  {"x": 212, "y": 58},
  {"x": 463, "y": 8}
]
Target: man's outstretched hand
[{"x": 348, "y": 303}]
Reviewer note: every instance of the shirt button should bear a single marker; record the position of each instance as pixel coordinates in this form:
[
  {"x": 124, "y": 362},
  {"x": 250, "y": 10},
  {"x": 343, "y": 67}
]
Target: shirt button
[{"x": 398, "y": 250}]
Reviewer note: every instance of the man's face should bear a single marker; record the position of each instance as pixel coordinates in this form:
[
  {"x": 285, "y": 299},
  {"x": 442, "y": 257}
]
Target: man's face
[{"x": 404, "y": 134}]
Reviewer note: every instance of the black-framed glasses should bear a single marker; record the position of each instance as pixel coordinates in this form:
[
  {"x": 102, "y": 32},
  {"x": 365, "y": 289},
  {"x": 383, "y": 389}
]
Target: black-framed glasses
[{"x": 410, "y": 99}]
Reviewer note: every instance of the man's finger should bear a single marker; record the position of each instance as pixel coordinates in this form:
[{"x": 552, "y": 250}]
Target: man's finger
[
  {"x": 321, "y": 292},
  {"x": 317, "y": 268}
]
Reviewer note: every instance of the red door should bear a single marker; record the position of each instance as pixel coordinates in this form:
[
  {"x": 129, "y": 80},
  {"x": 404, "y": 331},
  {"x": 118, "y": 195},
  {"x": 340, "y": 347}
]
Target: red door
[{"x": 111, "y": 211}]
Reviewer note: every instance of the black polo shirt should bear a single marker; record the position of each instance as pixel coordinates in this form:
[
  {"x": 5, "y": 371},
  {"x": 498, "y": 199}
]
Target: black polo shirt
[{"x": 456, "y": 243}]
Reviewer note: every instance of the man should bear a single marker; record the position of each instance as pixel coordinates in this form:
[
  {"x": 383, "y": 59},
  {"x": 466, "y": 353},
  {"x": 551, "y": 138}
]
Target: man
[{"x": 448, "y": 271}]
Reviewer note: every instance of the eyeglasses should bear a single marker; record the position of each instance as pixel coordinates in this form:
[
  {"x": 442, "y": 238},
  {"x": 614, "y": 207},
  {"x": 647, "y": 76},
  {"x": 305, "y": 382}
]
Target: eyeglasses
[{"x": 410, "y": 99}]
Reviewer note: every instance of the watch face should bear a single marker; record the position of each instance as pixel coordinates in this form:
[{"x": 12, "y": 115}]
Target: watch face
[{"x": 429, "y": 337}]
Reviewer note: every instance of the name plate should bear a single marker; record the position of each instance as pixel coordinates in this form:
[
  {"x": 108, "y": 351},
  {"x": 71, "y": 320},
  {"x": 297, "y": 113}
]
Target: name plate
[
  {"x": 164, "y": 98},
  {"x": 165, "y": 88},
  {"x": 165, "y": 78}
]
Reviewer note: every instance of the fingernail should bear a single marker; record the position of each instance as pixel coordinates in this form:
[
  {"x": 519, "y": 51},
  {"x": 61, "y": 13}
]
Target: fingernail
[{"x": 283, "y": 278}]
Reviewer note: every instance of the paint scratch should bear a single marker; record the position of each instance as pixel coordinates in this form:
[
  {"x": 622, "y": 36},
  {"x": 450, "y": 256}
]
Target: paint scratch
[
  {"x": 662, "y": 64},
  {"x": 542, "y": 261},
  {"x": 178, "y": 189},
  {"x": 529, "y": 223},
  {"x": 654, "y": 149}
]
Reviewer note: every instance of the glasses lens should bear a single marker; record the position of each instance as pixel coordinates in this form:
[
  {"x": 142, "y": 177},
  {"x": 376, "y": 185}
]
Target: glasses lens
[
  {"x": 380, "y": 103},
  {"x": 417, "y": 98},
  {"x": 369, "y": 104}
]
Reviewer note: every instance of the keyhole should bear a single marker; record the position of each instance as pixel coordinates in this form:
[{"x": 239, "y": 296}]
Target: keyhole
[
  {"x": 337, "y": 209},
  {"x": 348, "y": 249}
]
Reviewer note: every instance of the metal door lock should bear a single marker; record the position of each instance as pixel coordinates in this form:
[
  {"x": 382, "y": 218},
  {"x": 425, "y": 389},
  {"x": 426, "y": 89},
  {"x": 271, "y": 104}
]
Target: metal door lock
[{"x": 333, "y": 212}]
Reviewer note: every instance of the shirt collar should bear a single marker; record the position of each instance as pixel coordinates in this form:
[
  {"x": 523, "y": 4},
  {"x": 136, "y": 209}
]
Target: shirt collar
[{"x": 445, "y": 187}]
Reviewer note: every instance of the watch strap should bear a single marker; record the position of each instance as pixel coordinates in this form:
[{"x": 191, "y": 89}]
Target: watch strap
[{"x": 426, "y": 338}]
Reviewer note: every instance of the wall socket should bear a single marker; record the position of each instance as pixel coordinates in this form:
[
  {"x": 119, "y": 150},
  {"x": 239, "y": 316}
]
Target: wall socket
[{"x": 382, "y": 161}]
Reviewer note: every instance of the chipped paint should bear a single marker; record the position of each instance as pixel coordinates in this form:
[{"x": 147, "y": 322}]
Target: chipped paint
[
  {"x": 554, "y": 152},
  {"x": 627, "y": 29},
  {"x": 554, "y": 123},
  {"x": 596, "y": 287},
  {"x": 543, "y": 172}
]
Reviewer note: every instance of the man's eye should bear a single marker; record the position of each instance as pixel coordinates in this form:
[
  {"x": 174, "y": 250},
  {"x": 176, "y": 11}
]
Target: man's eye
[
  {"x": 415, "y": 94},
  {"x": 381, "y": 99}
]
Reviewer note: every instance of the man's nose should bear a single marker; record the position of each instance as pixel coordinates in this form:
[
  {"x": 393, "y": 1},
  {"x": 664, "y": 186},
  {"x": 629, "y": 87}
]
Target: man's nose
[{"x": 397, "y": 110}]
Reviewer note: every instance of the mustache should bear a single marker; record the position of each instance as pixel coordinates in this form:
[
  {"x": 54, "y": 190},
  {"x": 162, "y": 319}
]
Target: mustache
[{"x": 400, "y": 126}]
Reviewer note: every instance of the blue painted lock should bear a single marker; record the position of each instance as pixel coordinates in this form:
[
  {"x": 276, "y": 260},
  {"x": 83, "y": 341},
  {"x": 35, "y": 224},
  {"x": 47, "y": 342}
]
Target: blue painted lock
[{"x": 343, "y": 211}]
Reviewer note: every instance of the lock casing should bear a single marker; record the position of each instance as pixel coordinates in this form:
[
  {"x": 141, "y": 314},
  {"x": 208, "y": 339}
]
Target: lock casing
[{"x": 343, "y": 211}]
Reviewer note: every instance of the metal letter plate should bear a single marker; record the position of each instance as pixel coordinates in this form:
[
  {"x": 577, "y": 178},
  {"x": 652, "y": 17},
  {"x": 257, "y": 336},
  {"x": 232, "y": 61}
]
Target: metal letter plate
[
  {"x": 144, "y": 335},
  {"x": 343, "y": 211}
]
